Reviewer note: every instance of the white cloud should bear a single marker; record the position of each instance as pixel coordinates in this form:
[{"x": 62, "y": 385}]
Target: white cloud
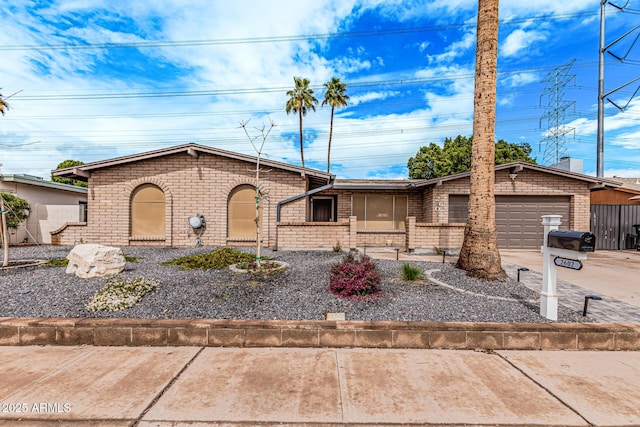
[
  {"x": 371, "y": 96},
  {"x": 520, "y": 40},
  {"x": 520, "y": 79},
  {"x": 455, "y": 50}
]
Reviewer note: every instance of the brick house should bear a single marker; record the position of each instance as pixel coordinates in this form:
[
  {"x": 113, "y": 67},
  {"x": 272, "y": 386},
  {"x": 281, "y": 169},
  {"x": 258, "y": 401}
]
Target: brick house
[{"x": 146, "y": 199}]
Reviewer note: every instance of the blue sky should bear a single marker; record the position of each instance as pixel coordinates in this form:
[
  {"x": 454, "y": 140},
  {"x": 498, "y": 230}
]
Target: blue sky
[{"x": 97, "y": 79}]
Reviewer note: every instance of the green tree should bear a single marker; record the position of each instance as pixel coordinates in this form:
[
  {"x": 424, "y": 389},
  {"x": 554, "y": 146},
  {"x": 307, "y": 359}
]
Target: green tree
[
  {"x": 3, "y": 105},
  {"x": 335, "y": 96},
  {"x": 300, "y": 100},
  {"x": 454, "y": 157},
  {"x": 70, "y": 181},
  {"x": 16, "y": 209},
  {"x": 479, "y": 255}
]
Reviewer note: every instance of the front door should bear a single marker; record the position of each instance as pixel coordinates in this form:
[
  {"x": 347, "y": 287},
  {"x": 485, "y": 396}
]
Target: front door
[{"x": 322, "y": 210}]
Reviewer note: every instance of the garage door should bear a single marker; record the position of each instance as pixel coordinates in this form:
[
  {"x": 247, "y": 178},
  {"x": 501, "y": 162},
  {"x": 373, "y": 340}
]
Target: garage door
[{"x": 518, "y": 218}]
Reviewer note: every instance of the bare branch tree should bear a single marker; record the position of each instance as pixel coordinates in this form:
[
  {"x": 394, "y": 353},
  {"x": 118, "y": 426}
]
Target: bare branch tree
[{"x": 260, "y": 139}]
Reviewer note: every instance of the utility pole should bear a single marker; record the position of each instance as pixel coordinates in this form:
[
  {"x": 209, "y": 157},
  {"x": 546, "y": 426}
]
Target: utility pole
[
  {"x": 5, "y": 234},
  {"x": 600, "y": 131},
  {"x": 601, "y": 93}
]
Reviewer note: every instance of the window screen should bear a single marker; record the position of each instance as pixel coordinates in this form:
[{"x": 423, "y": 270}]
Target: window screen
[
  {"x": 242, "y": 212},
  {"x": 380, "y": 212},
  {"x": 147, "y": 211}
]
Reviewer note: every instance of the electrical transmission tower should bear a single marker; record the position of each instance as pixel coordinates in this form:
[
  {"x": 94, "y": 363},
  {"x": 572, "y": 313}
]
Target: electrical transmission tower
[{"x": 554, "y": 114}]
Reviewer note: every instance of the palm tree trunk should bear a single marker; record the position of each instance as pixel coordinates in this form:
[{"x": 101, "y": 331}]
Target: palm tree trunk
[
  {"x": 301, "y": 147},
  {"x": 330, "y": 135},
  {"x": 479, "y": 255}
]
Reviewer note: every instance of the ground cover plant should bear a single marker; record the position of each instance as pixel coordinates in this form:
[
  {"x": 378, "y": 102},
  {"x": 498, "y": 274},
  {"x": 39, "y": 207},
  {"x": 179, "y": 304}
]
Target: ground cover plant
[
  {"x": 355, "y": 278},
  {"x": 119, "y": 293},
  {"x": 60, "y": 262},
  {"x": 215, "y": 260}
]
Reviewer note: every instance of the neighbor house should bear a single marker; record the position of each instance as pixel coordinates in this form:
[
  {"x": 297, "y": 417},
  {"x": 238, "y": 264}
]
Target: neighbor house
[
  {"x": 615, "y": 215},
  {"x": 51, "y": 205},
  {"x": 147, "y": 199}
]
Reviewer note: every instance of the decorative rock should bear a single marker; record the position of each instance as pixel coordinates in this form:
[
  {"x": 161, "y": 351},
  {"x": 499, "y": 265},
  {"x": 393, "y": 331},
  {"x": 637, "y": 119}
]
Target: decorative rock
[{"x": 92, "y": 260}]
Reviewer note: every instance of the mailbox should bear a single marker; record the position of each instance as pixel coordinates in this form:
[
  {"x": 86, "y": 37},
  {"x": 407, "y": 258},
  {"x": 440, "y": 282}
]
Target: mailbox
[{"x": 579, "y": 241}]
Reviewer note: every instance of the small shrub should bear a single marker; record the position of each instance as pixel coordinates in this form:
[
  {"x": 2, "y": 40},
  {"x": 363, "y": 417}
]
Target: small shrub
[
  {"x": 118, "y": 293},
  {"x": 337, "y": 247},
  {"x": 63, "y": 262},
  {"x": 216, "y": 260},
  {"x": 355, "y": 278},
  {"x": 266, "y": 267},
  {"x": 411, "y": 273},
  {"x": 130, "y": 258}
]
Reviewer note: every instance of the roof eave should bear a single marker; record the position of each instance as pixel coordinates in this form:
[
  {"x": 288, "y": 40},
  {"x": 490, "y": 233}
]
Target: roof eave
[{"x": 83, "y": 172}]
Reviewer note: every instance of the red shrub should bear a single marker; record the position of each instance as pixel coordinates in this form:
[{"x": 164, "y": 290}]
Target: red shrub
[{"x": 355, "y": 278}]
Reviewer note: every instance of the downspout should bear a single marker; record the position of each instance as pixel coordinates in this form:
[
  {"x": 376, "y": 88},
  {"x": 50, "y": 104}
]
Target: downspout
[{"x": 298, "y": 197}]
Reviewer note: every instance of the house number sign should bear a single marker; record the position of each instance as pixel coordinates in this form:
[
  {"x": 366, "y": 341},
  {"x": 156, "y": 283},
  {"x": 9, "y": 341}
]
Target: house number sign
[{"x": 573, "y": 264}]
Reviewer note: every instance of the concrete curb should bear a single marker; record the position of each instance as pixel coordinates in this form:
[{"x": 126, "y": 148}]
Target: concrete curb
[{"x": 321, "y": 333}]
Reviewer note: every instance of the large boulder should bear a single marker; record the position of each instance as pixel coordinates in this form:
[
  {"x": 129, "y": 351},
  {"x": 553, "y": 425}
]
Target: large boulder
[{"x": 92, "y": 260}]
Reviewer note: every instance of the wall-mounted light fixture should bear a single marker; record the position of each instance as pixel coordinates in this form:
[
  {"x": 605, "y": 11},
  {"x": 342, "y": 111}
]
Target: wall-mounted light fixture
[{"x": 513, "y": 176}]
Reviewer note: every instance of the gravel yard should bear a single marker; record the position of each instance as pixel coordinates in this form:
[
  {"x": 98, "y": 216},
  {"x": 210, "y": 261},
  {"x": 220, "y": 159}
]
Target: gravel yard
[{"x": 298, "y": 293}]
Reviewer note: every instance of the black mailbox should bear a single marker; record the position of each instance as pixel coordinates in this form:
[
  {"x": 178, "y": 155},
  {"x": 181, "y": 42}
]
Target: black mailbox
[{"x": 579, "y": 241}]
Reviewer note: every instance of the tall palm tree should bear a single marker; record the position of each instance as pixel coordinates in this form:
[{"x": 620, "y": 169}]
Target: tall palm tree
[
  {"x": 335, "y": 96},
  {"x": 479, "y": 255},
  {"x": 300, "y": 100},
  {"x": 3, "y": 105}
]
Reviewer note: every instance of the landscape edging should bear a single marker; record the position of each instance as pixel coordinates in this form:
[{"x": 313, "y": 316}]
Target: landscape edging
[{"x": 319, "y": 333}]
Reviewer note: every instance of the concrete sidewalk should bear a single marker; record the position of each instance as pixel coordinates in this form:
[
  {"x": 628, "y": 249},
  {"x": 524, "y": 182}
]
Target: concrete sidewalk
[{"x": 168, "y": 386}]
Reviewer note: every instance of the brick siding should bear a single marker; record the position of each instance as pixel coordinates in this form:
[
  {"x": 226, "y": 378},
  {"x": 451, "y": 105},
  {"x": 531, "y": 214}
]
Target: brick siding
[{"x": 203, "y": 184}]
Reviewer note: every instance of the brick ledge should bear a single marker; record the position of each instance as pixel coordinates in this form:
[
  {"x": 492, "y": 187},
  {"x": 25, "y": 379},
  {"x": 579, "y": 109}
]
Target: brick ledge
[{"x": 320, "y": 333}]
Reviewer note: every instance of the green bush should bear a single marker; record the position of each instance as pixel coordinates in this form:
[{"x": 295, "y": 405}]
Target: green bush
[
  {"x": 216, "y": 260},
  {"x": 118, "y": 293},
  {"x": 411, "y": 273},
  {"x": 15, "y": 208}
]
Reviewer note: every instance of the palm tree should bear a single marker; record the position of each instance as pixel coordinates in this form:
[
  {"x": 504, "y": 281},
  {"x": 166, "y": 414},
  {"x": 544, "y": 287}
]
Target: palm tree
[
  {"x": 300, "y": 100},
  {"x": 479, "y": 255},
  {"x": 3, "y": 105},
  {"x": 335, "y": 96}
]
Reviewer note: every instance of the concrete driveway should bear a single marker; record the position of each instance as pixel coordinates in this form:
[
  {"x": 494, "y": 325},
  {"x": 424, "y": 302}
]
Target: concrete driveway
[{"x": 615, "y": 274}]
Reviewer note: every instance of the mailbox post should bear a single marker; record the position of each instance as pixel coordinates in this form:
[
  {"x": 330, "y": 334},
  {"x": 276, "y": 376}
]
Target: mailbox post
[
  {"x": 563, "y": 248},
  {"x": 549, "y": 296}
]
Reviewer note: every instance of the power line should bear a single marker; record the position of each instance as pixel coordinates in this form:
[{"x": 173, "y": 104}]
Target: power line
[
  {"x": 265, "y": 89},
  {"x": 277, "y": 39}
]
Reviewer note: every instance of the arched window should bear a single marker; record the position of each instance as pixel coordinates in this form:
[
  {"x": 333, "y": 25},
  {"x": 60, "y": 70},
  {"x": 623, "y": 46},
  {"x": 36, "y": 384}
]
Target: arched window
[
  {"x": 242, "y": 212},
  {"x": 148, "y": 211}
]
